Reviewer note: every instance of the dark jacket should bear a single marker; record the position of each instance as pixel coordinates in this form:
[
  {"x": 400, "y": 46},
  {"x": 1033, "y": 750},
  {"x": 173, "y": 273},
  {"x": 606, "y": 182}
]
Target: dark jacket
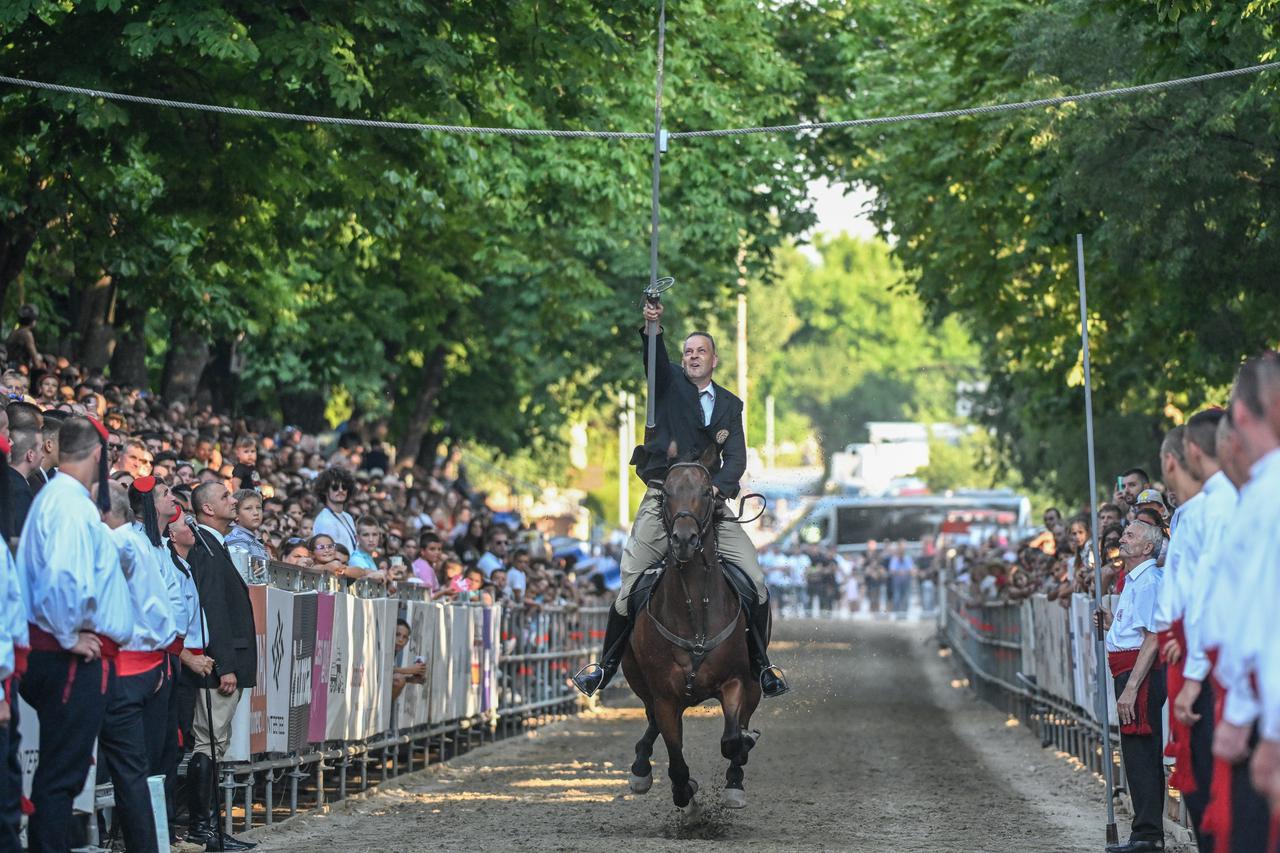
[
  {"x": 20, "y": 498},
  {"x": 678, "y": 417},
  {"x": 228, "y": 611}
]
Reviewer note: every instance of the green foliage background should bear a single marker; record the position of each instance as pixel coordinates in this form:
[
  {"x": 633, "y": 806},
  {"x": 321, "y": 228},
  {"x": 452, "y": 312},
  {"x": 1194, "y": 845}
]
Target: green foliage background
[{"x": 486, "y": 288}]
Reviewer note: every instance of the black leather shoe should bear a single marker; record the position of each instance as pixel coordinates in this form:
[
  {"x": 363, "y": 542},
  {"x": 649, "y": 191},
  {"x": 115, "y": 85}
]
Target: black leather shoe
[
  {"x": 214, "y": 840},
  {"x": 589, "y": 678},
  {"x": 773, "y": 683},
  {"x": 1137, "y": 845}
]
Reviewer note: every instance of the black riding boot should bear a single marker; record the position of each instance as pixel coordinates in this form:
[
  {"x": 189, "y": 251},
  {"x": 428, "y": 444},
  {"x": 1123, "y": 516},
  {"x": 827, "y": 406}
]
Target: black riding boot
[
  {"x": 201, "y": 827},
  {"x": 772, "y": 681},
  {"x": 596, "y": 676},
  {"x": 205, "y": 828}
]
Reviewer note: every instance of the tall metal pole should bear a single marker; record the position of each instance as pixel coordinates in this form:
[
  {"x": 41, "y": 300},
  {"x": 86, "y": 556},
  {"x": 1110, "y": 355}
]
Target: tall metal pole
[
  {"x": 624, "y": 455},
  {"x": 742, "y": 341},
  {"x": 1101, "y": 699},
  {"x": 659, "y": 145}
]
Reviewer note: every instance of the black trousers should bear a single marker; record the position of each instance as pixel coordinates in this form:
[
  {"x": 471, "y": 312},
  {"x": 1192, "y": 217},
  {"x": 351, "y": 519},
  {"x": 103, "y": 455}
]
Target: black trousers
[
  {"x": 1144, "y": 763},
  {"x": 10, "y": 774},
  {"x": 123, "y": 746},
  {"x": 1250, "y": 814},
  {"x": 171, "y": 751},
  {"x": 1201, "y": 763},
  {"x": 69, "y": 697}
]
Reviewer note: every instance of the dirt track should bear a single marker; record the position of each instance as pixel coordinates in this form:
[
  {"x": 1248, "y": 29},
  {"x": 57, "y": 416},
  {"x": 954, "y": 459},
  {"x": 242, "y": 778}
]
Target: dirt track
[{"x": 874, "y": 750}]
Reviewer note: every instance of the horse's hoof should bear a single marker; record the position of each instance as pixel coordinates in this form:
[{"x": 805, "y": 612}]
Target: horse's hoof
[
  {"x": 734, "y": 798},
  {"x": 692, "y": 811},
  {"x": 640, "y": 784}
]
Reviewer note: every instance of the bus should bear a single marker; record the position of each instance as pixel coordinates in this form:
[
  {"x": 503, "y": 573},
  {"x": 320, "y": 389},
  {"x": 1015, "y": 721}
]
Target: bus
[{"x": 847, "y": 524}]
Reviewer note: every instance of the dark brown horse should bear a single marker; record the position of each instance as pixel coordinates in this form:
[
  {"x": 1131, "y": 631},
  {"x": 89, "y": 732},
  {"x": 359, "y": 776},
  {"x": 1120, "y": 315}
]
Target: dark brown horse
[{"x": 690, "y": 643}]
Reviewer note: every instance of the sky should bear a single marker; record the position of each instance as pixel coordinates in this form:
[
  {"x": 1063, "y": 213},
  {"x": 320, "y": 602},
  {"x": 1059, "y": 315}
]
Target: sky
[{"x": 839, "y": 212}]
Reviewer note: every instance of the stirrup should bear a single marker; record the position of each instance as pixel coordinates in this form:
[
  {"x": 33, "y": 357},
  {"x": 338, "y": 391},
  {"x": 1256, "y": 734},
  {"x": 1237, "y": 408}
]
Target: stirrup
[
  {"x": 777, "y": 673},
  {"x": 588, "y": 679}
]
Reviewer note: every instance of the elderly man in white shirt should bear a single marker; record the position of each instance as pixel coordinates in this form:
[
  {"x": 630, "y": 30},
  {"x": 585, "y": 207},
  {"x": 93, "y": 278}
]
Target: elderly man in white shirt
[
  {"x": 1235, "y": 614},
  {"x": 1132, "y": 650}
]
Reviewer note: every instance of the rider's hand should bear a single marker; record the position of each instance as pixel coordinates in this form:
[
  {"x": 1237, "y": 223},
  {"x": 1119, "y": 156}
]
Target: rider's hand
[{"x": 653, "y": 311}]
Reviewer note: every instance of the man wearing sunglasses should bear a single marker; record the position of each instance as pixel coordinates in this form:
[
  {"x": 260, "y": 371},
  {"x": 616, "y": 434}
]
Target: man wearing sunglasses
[{"x": 335, "y": 487}]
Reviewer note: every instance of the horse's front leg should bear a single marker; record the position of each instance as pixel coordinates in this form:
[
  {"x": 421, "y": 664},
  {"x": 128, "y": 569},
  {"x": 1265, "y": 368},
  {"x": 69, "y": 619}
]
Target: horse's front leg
[
  {"x": 733, "y": 744},
  {"x": 670, "y": 719},
  {"x": 641, "y": 770}
]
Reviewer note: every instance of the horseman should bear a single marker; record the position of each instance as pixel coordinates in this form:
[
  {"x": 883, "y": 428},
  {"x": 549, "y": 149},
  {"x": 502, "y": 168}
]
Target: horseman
[{"x": 692, "y": 412}]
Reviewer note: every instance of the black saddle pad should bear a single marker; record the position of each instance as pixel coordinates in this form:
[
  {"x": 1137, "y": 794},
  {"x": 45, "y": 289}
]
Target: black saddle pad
[{"x": 643, "y": 589}]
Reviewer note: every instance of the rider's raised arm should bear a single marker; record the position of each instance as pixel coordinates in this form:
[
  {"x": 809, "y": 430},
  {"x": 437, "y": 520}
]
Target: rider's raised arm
[
  {"x": 664, "y": 368},
  {"x": 733, "y": 456}
]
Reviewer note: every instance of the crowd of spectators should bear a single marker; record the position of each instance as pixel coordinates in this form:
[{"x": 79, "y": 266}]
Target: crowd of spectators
[
  {"x": 879, "y": 581},
  {"x": 345, "y": 508},
  {"x": 335, "y": 503}
]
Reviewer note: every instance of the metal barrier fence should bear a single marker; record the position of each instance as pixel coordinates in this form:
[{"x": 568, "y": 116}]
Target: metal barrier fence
[
  {"x": 536, "y": 649},
  {"x": 1034, "y": 660}
]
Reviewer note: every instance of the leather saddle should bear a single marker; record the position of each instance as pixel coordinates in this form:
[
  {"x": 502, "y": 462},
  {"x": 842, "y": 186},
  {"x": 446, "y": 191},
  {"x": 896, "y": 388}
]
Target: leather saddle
[{"x": 643, "y": 589}]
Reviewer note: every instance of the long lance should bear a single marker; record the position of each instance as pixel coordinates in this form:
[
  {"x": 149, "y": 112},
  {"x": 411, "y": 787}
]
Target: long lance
[
  {"x": 656, "y": 286},
  {"x": 1100, "y": 639}
]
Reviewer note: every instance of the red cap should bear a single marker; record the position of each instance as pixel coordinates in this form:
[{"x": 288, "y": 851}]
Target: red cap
[{"x": 144, "y": 484}]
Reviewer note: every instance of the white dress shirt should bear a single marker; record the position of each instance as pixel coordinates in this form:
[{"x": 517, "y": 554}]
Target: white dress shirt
[
  {"x": 1136, "y": 610},
  {"x": 69, "y": 568},
  {"x": 154, "y": 626},
  {"x": 1184, "y": 551},
  {"x": 193, "y": 632},
  {"x": 1244, "y": 619},
  {"x": 1219, "y": 509},
  {"x": 707, "y": 399},
  {"x": 13, "y": 615}
]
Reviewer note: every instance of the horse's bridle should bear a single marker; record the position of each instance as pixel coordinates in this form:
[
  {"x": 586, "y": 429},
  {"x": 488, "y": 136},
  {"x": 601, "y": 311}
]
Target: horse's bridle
[
  {"x": 704, "y": 523},
  {"x": 701, "y": 645}
]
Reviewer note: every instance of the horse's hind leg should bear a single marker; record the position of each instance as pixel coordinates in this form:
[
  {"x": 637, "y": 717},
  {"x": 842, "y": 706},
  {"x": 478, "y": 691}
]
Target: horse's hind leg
[
  {"x": 641, "y": 770},
  {"x": 670, "y": 720},
  {"x": 733, "y": 745}
]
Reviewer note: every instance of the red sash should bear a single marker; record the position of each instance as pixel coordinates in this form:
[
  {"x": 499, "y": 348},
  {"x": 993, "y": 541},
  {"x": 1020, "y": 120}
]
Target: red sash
[
  {"x": 1179, "y": 748},
  {"x": 43, "y": 641},
  {"x": 1120, "y": 663},
  {"x": 175, "y": 648},
  {"x": 136, "y": 663},
  {"x": 20, "y": 654},
  {"x": 1217, "y": 814}
]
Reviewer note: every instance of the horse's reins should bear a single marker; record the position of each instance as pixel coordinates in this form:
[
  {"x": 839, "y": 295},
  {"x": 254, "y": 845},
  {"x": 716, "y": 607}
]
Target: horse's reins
[{"x": 701, "y": 645}]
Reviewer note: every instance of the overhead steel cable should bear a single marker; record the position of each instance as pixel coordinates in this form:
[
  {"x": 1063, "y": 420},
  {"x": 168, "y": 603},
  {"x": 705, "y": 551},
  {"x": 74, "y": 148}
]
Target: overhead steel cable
[{"x": 798, "y": 127}]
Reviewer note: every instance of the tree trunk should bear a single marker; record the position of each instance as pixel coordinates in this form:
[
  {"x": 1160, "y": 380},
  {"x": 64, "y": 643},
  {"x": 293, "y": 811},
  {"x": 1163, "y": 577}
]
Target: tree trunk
[
  {"x": 217, "y": 384},
  {"x": 15, "y": 244},
  {"x": 183, "y": 364},
  {"x": 129, "y": 361},
  {"x": 432, "y": 381},
  {"x": 304, "y": 409},
  {"x": 97, "y": 336}
]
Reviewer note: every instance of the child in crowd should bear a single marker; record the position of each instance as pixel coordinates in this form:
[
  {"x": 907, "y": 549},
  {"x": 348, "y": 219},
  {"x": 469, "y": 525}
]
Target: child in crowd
[{"x": 244, "y": 535}]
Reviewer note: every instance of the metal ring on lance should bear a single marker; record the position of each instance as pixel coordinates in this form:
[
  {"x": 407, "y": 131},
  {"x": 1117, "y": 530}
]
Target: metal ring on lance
[{"x": 658, "y": 287}]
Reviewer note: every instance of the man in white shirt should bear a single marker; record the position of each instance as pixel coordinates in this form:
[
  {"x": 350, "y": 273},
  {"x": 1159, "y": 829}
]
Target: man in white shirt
[
  {"x": 1196, "y": 566},
  {"x": 497, "y": 544},
  {"x": 1242, "y": 617},
  {"x": 1266, "y": 758},
  {"x": 1175, "y": 594},
  {"x": 77, "y": 603},
  {"x": 137, "y": 700},
  {"x": 14, "y": 648},
  {"x": 1132, "y": 650},
  {"x": 334, "y": 487}
]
